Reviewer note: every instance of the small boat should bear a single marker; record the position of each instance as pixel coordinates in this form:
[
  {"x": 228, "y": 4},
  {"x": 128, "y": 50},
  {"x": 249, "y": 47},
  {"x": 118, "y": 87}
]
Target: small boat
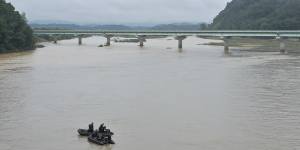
[
  {"x": 98, "y": 141},
  {"x": 84, "y": 132},
  {"x": 99, "y": 137},
  {"x": 112, "y": 142}
]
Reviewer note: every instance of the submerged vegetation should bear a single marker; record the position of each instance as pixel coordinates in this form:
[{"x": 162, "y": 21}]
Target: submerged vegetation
[{"x": 15, "y": 33}]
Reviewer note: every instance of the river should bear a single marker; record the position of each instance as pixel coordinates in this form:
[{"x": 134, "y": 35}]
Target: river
[{"x": 153, "y": 98}]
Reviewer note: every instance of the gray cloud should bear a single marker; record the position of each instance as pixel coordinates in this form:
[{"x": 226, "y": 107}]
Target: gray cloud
[{"x": 121, "y": 11}]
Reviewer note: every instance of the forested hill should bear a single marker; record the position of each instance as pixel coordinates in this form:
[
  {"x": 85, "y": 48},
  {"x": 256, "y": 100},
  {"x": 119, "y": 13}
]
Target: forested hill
[
  {"x": 259, "y": 15},
  {"x": 15, "y": 34}
]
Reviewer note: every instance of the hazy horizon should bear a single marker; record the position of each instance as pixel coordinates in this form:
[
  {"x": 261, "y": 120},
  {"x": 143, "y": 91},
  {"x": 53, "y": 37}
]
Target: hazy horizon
[
  {"x": 131, "y": 12},
  {"x": 138, "y": 24}
]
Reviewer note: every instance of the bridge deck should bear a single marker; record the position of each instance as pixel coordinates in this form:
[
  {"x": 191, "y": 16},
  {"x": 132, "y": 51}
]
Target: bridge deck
[{"x": 224, "y": 33}]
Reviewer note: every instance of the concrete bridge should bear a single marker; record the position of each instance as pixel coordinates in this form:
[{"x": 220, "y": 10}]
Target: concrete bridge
[{"x": 281, "y": 36}]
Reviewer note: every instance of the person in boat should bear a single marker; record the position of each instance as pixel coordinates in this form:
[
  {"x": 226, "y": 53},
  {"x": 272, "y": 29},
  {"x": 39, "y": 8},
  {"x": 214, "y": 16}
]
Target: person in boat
[
  {"x": 102, "y": 128},
  {"x": 91, "y": 127},
  {"x": 95, "y": 134},
  {"x": 109, "y": 138}
]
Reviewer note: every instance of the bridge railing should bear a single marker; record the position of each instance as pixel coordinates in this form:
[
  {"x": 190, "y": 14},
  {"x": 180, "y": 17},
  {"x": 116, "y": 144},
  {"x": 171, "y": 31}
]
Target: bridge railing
[{"x": 234, "y": 33}]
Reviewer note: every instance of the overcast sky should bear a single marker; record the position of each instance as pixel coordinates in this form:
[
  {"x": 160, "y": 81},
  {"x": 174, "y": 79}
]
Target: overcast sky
[{"x": 121, "y": 11}]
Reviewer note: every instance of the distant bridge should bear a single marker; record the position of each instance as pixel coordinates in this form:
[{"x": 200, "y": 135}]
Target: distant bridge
[{"x": 179, "y": 35}]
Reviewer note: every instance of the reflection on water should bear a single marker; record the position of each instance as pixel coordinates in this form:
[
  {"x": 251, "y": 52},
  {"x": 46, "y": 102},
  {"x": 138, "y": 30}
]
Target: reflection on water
[{"x": 151, "y": 97}]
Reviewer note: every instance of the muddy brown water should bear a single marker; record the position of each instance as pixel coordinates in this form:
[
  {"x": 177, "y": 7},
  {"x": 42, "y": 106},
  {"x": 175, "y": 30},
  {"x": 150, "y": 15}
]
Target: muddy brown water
[{"x": 153, "y": 98}]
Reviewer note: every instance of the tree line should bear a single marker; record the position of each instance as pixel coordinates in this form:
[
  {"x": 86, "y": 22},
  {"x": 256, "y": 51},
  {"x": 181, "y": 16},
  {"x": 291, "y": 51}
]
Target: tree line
[
  {"x": 259, "y": 15},
  {"x": 15, "y": 33}
]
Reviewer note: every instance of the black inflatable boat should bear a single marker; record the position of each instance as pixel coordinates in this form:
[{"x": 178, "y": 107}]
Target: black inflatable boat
[
  {"x": 100, "y": 140},
  {"x": 97, "y": 141},
  {"x": 84, "y": 132},
  {"x": 99, "y": 137}
]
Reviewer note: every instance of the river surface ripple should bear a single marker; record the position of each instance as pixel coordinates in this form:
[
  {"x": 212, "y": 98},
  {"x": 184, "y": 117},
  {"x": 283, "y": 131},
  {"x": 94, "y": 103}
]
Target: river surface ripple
[{"x": 153, "y": 98}]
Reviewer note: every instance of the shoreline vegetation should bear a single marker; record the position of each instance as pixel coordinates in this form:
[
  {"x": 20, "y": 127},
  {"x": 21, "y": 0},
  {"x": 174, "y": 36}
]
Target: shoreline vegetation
[
  {"x": 15, "y": 34},
  {"x": 258, "y": 15}
]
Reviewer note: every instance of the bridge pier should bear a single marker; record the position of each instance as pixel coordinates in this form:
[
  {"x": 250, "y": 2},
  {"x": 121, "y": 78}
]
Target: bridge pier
[
  {"x": 108, "y": 39},
  {"x": 282, "y": 45},
  {"x": 80, "y": 40},
  {"x": 142, "y": 39},
  {"x": 180, "y": 39},
  {"x": 226, "y": 44},
  {"x": 54, "y": 40}
]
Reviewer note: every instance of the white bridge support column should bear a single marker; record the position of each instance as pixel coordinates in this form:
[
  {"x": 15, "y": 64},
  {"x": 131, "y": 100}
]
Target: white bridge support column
[
  {"x": 142, "y": 39},
  {"x": 180, "y": 39},
  {"x": 54, "y": 39},
  {"x": 108, "y": 39},
  {"x": 282, "y": 44},
  {"x": 80, "y": 39},
  {"x": 226, "y": 44}
]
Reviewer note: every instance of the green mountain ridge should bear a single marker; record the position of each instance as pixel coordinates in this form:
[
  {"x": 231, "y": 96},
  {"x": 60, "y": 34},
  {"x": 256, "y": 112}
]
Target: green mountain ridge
[
  {"x": 171, "y": 26},
  {"x": 259, "y": 15}
]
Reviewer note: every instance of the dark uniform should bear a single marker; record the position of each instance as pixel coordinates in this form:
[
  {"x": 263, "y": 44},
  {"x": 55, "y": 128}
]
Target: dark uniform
[{"x": 91, "y": 127}]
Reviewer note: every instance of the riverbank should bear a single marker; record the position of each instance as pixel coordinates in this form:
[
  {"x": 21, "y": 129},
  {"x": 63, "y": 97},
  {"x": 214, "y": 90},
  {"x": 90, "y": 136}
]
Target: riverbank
[
  {"x": 257, "y": 44},
  {"x": 41, "y": 39}
]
